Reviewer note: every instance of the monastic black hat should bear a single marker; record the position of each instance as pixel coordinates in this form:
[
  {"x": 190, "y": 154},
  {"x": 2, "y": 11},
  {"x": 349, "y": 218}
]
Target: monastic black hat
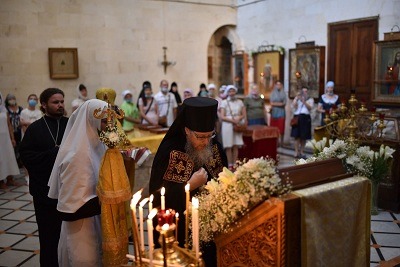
[{"x": 200, "y": 113}]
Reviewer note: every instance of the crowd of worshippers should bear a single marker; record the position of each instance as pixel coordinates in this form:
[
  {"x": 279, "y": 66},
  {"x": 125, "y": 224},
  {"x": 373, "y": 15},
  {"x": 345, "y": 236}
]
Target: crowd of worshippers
[{"x": 151, "y": 107}]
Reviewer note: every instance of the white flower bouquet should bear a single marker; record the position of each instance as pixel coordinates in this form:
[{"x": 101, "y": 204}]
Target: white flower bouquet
[
  {"x": 357, "y": 159},
  {"x": 230, "y": 196}
]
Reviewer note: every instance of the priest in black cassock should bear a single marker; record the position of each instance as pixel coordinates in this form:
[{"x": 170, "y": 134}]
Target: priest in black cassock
[
  {"x": 38, "y": 150},
  {"x": 189, "y": 153}
]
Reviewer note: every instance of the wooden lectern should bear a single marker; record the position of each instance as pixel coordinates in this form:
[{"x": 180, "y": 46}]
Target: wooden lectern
[{"x": 274, "y": 232}]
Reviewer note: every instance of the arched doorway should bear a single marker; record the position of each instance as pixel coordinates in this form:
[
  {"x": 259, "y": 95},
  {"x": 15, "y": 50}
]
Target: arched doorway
[{"x": 222, "y": 64}]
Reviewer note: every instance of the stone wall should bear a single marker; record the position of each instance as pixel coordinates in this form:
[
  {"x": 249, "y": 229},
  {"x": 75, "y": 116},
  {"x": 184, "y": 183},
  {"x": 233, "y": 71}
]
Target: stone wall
[{"x": 119, "y": 42}]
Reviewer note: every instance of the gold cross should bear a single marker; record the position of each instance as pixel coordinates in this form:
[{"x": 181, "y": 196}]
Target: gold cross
[
  {"x": 212, "y": 162},
  {"x": 179, "y": 167},
  {"x": 111, "y": 115}
]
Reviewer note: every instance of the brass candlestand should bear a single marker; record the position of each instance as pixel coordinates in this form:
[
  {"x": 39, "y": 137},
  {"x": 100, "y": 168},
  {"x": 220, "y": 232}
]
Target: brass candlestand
[
  {"x": 175, "y": 256},
  {"x": 352, "y": 123}
]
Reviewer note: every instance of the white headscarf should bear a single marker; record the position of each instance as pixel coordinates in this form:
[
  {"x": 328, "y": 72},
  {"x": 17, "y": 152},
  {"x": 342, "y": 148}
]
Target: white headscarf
[
  {"x": 75, "y": 173},
  {"x": 2, "y": 105},
  {"x": 229, "y": 87},
  {"x": 84, "y": 98}
]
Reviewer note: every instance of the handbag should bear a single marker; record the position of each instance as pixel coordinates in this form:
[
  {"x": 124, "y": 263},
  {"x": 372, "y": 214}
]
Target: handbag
[
  {"x": 162, "y": 120},
  {"x": 239, "y": 128},
  {"x": 294, "y": 121}
]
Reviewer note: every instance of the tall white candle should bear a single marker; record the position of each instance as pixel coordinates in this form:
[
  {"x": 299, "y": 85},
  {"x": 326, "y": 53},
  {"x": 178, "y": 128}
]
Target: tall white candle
[
  {"x": 141, "y": 226},
  {"x": 187, "y": 191},
  {"x": 135, "y": 199},
  {"x": 163, "y": 198},
  {"x": 176, "y": 225},
  {"x": 151, "y": 202},
  {"x": 195, "y": 226},
  {"x": 152, "y": 213},
  {"x": 164, "y": 229}
]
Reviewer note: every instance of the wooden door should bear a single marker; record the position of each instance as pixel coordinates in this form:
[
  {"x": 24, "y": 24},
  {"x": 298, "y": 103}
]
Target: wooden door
[{"x": 350, "y": 62}]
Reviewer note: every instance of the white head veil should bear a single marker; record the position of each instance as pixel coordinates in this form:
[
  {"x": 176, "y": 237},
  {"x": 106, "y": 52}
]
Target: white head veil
[
  {"x": 75, "y": 173},
  {"x": 2, "y": 105},
  {"x": 84, "y": 98}
]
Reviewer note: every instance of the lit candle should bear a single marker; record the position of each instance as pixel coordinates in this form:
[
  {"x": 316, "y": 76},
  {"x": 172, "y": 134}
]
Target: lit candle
[
  {"x": 152, "y": 213},
  {"x": 164, "y": 229},
  {"x": 151, "y": 202},
  {"x": 195, "y": 226},
  {"x": 163, "y": 198},
  {"x": 187, "y": 190},
  {"x": 135, "y": 199},
  {"x": 176, "y": 225},
  {"x": 141, "y": 204}
]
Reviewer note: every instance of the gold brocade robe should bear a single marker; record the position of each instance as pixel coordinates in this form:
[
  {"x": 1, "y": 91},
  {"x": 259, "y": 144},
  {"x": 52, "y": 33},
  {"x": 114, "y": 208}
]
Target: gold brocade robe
[{"x": 113, "y": 190}]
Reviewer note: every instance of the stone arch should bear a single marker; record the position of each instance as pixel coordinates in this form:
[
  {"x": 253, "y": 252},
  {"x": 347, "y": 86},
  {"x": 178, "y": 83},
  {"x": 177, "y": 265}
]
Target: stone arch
[{"x": 223, "y": 43}]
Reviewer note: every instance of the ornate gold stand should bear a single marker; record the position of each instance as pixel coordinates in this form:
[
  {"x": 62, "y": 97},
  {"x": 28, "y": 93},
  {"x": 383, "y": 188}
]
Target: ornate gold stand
[{"x": 175, "y": 255}]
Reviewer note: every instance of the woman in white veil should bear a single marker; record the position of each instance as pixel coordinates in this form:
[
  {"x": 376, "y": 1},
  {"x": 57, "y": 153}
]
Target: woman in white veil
[
  {"x": 73, "y": 182},
  {"x": 8, "y": 162}
]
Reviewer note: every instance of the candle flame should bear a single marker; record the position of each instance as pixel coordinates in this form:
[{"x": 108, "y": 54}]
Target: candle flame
[
  {"x": 135, "y": 198},
  {"x": 177, "y": 215},
  {"x": 163, "y": 191},
  {"x": 165, "y": 227},
  {"x": 151, "y": 198},
  {"x": 195, "y": 202},
  {"x": 187, "y": 187},
  {"x": 152, "y": 213},
  {"x": 143, "y": 202}
]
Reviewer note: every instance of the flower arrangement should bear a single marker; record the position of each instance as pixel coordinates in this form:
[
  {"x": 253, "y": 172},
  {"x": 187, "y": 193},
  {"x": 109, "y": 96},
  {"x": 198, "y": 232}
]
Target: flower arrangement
[
  {"x": 110, "y": 136},
  {"x": 357, "y": 159},
  {"x": 230, "y": 196}
]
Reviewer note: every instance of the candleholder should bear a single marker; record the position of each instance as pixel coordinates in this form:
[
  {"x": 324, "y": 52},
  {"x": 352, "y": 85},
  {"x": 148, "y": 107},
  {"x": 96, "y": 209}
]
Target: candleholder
[
  {"x": 170, "y": 250},
  {"x": 354, "y": 122}
]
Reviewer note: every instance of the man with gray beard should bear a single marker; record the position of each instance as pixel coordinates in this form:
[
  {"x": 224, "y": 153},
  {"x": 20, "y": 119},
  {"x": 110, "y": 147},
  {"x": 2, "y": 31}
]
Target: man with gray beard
[{"x": 189, "y": 153}]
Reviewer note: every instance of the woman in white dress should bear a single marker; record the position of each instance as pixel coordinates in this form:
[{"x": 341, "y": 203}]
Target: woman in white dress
[
  {"x": 232, "y": 112},
  {"x": 8, "y": 162}
]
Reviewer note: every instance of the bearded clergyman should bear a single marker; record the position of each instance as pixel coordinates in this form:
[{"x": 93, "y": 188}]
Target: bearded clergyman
[{"x": 189, "y": 153}]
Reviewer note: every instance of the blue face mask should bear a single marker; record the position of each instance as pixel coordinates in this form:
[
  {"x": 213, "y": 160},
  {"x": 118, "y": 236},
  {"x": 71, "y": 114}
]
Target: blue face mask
[
  {"x": 32, "y": 102},
  {"x": 129, "y": 100}
]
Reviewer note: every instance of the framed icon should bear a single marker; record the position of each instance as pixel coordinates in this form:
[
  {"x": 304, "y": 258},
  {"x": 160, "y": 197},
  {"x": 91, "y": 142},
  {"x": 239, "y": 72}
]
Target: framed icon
[
  {"x": 386, "y": 89},
  {"x": 63, "y": 63},
  {"x": 307, "y": 68}
]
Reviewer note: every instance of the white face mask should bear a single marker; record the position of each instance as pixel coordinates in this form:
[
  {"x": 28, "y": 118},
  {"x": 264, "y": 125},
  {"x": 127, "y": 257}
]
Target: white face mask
[{"x": 164, "y": 89}]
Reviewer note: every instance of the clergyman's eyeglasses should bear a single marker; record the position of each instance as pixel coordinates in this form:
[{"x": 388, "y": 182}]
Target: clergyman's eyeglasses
[{"x": 205, "y": 136}]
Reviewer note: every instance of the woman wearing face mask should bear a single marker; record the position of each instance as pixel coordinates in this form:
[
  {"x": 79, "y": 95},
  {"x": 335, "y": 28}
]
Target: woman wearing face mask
[
  {"x": 15, "y": 112},
  {"x": 8, "y": 162},
  {"x": 132, "y": 115},
  {"x": 255, "y": 108},
  {"x": 148, "y": 106},
  {"x": 328, "y": 101},
  {"x": 233, "y": 112},
  {"x": 30, "y": 114}
]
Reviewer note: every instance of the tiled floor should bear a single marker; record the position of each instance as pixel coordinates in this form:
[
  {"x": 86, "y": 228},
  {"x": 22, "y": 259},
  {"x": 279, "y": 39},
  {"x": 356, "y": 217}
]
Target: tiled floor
[{"x": 19, "y": 242}]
